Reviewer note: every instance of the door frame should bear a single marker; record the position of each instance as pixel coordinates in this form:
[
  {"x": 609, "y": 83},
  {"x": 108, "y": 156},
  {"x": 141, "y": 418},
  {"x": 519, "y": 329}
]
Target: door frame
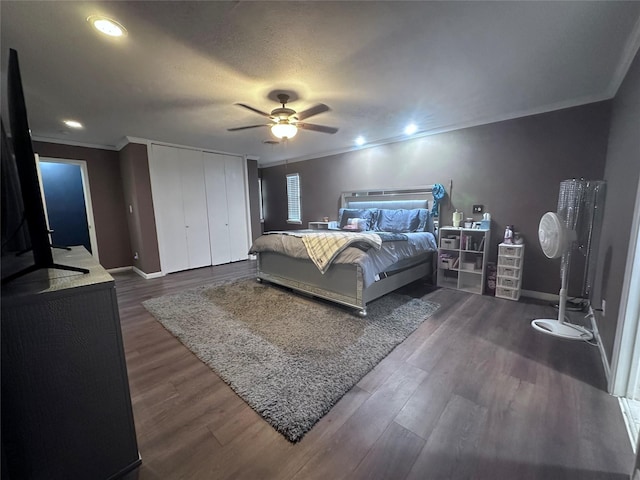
[
  {"x": 86, "y": 190},
  {"x": 625, "y": 366},
  {"x": 627, "y": 340}
]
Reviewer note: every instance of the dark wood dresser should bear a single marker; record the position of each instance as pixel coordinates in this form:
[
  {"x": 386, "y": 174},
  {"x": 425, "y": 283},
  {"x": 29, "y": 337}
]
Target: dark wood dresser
[{"x": 66, "y": 406}]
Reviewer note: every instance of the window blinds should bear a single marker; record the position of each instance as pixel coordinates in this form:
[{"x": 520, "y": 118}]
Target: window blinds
[{"x": 294, "y": 214}]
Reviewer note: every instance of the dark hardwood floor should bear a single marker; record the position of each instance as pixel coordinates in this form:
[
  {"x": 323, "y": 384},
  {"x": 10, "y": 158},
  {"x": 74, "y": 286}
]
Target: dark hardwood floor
[{"x": 474, "y": 393}]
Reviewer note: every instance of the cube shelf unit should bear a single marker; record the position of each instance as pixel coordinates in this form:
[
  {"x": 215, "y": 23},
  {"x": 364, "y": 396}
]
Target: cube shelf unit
[
  {"x": 509, "y": 278},
  {"x": 319, "y": 225},
  {"x": 462, "y": 258}
]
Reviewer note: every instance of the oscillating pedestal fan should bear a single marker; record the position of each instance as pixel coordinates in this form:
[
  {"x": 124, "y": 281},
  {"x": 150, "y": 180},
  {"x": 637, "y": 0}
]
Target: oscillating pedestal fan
[{"x": 557, "y": 234}]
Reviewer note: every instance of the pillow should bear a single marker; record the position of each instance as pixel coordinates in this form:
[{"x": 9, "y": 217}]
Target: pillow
[
  {"x": 368, "y": 216},
  {"x": 428, "y": 224},
  {"x": 401, "y": 220},
  {"x": 356, "y": 224},
  {"x": 426, "y": 221}
]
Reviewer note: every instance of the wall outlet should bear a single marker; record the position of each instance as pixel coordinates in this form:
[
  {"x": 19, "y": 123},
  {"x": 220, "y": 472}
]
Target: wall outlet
[
  {"x": 135, "y": 255},
  {"x": 604, "y": 306},
  {"x": 478, "y": 208}
]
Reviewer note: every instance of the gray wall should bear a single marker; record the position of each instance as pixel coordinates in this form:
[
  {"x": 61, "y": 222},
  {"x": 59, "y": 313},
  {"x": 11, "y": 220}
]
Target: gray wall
[
  {"x": 120, "y": 179},
  {"x": 254, "y": 198},
  {"x": 141, "y": 218},
  {"x": 622, "y": 174},
  {"x": 107, "y": 198},
  {"x": 513, "y": 168}
]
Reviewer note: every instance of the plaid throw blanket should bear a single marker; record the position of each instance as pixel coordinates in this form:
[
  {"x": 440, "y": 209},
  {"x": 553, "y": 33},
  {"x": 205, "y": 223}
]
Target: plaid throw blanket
[{"x": 324, "y": 247}]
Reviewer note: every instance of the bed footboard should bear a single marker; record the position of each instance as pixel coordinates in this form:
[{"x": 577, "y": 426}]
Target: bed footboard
[{"x": 341, "y": 284}]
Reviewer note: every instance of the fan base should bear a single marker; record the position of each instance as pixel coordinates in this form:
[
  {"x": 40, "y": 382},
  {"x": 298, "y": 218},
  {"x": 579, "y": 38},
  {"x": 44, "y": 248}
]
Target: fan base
[{"x": 561, "y": 330}]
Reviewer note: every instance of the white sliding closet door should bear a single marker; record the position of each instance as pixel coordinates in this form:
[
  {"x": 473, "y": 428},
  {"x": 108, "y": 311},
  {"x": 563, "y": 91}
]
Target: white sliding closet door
[
  {"x": 180, "y": 207},
  {"x": 227, "y": 208},
  {"x": 167, "y": 205},
  {"x": 219, "y": 241},
  {"x": 194, "y": 204},
  {"x": 237, "y": 207}
]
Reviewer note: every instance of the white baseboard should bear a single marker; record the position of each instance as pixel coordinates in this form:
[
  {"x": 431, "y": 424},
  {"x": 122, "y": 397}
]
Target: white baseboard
[
  {"x": 596, "y": 336},
  {"x": 148, "y": 276},
  {"x": 632, "y": 428},
  {"x": 540, "y": 295},
  {"x": 119, "y": 269}
]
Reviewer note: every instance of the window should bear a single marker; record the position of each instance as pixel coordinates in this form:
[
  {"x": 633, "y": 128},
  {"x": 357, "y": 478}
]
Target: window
[
  {"x": 294, "y": 213},
  {"x": 261, "y": 200}
]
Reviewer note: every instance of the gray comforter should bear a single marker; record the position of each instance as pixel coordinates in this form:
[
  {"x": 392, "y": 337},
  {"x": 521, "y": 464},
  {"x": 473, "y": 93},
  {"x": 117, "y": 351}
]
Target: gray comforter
[{"x": 395, "y": 248}]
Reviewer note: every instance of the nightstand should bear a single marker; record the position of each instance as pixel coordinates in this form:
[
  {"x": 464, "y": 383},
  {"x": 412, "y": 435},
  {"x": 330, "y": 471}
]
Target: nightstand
[{"x": 319, "y": 225}]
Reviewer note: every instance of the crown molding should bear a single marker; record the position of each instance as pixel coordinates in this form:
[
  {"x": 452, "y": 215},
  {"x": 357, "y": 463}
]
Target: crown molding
[
  {"x": 72, "y": 143},
  {"x": 126, "y": 140},
  {"x": 148, "y": 142},
  {"x": 626, "y": 59},
  {"x": 200, "y": 149},
  {"x": 577, "y": 102}
]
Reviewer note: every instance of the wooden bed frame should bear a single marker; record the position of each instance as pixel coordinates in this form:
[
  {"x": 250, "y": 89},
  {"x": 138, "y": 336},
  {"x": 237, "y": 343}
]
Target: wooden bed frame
[{"x": 343, "y": 283}]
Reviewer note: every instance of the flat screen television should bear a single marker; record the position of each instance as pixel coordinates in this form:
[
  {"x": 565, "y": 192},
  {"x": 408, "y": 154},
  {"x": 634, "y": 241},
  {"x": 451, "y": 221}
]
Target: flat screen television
[{"x": 24, "y": 224}]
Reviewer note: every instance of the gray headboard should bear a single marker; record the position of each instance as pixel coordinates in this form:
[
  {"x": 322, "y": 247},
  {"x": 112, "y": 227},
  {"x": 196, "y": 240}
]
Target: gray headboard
[{"x": 407, "y": 198}]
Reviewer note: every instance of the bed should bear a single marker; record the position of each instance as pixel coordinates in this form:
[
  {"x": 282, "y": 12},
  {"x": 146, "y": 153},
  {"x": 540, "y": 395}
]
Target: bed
[{"x": 395, "y": 247}]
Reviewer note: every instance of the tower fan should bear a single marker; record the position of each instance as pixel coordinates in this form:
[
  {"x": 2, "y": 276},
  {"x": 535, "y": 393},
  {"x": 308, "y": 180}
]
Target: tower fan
[{"x": 558, "y": 234}]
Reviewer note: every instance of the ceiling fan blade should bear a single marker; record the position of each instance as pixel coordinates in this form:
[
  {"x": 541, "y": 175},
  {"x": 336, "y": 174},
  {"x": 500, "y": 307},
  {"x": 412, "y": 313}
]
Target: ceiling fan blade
[
  {"x": 250, "y": 126},
  {"x": 316, "y": 128},
  {"x": 310, "y": 112},
  {"x": 259, "y": 112}
]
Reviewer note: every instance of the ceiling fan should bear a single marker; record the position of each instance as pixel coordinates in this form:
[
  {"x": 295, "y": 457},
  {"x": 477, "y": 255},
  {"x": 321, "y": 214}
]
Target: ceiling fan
[{"x": 285, "y": 122}]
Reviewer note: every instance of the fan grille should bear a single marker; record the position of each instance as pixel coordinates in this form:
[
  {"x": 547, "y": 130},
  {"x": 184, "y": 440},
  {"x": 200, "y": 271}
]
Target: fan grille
[{"x": 552, "y": 235}]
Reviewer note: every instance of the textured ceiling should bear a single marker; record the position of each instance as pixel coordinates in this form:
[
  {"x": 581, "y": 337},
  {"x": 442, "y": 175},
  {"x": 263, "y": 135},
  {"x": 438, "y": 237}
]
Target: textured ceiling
[{"x": 378, "y": 65}]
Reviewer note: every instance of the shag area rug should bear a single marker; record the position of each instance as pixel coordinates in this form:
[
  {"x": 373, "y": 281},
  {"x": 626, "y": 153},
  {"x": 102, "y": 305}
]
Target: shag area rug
[{"x": 289, "y": 357}]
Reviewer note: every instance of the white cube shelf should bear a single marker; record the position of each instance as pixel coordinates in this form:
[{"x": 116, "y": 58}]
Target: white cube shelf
[{"x": 462, "y": 258}]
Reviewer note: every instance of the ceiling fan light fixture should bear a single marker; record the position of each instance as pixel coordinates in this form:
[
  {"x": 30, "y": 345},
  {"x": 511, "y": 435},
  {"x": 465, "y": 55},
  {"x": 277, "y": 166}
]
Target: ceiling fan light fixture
[
  {"x": 284, "y": 130},
  {"x": 285, "y": 122}
]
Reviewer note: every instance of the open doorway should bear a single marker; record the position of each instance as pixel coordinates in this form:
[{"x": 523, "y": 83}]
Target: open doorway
[{"x": 67, "y": 201}]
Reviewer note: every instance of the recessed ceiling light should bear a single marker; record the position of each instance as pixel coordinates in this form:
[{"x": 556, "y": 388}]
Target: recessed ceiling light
[
  {"x": 360, "y": 141},
  {"x": 411, "y": 129},
  {"x": 72, "y": 124},
  {"x": 107, "y": 26}
]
